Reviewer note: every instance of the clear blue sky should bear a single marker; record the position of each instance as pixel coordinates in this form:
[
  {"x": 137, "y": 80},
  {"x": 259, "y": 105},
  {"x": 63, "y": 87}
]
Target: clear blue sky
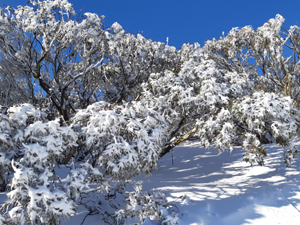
[{"x": 185, "y": 20}]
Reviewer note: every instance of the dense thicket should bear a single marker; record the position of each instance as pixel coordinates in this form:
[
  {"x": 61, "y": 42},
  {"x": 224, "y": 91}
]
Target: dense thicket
[{"x": 104, "y": 105}]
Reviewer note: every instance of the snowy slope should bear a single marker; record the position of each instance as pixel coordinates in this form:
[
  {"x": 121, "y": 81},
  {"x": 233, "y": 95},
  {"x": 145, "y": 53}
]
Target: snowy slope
[
  {"x": 225, "y": 190},
  {"x": 222, "y": 189}
]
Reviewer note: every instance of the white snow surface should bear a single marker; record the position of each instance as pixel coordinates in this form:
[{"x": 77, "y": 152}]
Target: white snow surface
[
  {"x": 223, "y": 189},
  {"x": 212, "y": 189}
]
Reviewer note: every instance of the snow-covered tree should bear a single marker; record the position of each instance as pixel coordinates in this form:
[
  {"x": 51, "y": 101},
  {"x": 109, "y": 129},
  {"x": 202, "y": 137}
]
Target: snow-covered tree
[
  {"x": 104, "y": 105},
  {"x": 50, "y": 57}
]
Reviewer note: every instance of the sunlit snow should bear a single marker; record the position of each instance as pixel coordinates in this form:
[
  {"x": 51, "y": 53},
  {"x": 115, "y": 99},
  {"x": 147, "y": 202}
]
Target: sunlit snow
[{"x": 212, "y": 189}]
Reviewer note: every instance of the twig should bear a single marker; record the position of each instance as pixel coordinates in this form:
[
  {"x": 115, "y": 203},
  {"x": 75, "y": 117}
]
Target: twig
[{"x": 85, "y": 217}]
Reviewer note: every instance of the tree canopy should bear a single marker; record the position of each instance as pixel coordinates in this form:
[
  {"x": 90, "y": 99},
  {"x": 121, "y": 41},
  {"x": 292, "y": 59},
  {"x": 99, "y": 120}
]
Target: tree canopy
[{"x": 105, "y": 105}]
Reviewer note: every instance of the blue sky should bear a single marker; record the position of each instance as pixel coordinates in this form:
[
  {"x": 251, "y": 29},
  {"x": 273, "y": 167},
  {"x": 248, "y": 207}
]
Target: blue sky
[{"x": 186, "y": 20}]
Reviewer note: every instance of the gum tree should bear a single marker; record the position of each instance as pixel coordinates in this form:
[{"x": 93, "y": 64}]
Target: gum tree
[{"x": 105, "y": 105}]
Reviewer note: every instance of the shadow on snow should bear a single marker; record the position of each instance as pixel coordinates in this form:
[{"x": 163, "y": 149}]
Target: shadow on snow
[{"x": 224, "y": 189}]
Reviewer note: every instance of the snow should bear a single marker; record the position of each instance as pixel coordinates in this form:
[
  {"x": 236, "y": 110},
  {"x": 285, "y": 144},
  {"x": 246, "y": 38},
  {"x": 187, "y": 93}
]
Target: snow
[
  {"x": 222, "y": 189},
  {"x": 225, "y": 190}
]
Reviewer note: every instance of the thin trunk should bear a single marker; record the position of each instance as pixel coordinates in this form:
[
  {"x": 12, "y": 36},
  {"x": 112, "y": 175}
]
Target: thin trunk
[{"x": 169, "y": 147}]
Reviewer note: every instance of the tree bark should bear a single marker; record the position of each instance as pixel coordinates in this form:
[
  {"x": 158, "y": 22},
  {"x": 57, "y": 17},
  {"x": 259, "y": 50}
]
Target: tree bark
[{"x": 169, "y": 147}]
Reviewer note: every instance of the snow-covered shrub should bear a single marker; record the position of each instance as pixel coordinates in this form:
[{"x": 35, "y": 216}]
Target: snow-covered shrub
[
  {"x": 12, "y": 126},
  {"x": 251, "y": 121},
  {"x": 199, "y": 91},
  {"x": 269, "y": 116},
  {"x": 117, "y": 143},
  {"x": 123, "y": 141},
  {"x": 36, "y": 147},
  {"x": 144, "y": 206},
  {"x": 7, "y": 149},
  {"x": 24, "y": 115}
]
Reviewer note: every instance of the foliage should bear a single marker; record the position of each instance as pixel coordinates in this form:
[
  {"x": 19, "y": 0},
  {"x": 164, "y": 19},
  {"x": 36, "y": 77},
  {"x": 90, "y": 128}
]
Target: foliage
[
  {"x": 104, "y": 105},
  {"x": 36, "y": 147},
  {"x": 123, "y": 139},
  {"x": 146, "y": 206}
]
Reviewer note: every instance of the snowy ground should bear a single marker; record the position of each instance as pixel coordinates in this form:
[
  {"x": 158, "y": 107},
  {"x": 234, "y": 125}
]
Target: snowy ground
[{"x": 224, "y": 190}]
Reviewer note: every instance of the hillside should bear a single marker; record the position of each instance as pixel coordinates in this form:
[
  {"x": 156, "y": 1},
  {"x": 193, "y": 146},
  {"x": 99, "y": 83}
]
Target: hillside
[{"x": 222, "y": 189}]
